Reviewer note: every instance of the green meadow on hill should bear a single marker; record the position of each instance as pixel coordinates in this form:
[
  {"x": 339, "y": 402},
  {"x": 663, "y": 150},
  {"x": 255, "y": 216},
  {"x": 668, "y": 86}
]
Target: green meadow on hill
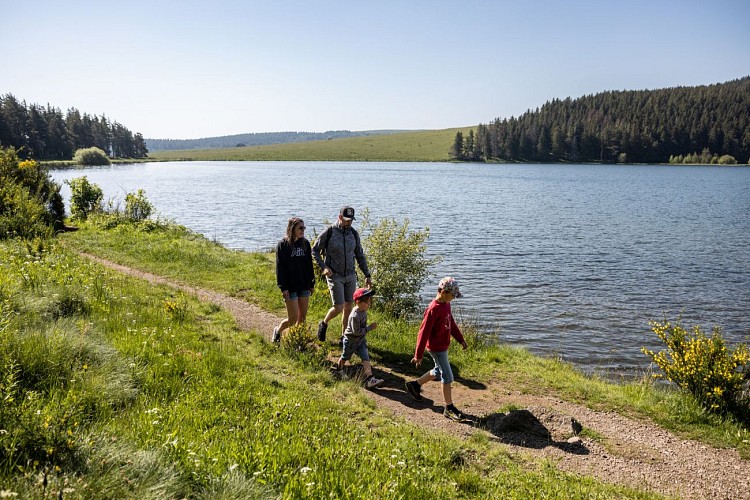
[{"x": 430, "y": 145}]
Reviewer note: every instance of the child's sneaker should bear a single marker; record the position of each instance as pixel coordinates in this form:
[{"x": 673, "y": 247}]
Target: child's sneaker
[
  {"x": 276, "y": 337},
  {"x": 322, "y": 327},
  {"x": 373, "y": 382},
  {"x": 414, "y": 389},
  {"x": 454, "y": 414}
]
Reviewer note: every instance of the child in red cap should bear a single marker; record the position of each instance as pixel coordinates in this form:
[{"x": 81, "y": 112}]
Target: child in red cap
[{"x": 355, "y": 340}]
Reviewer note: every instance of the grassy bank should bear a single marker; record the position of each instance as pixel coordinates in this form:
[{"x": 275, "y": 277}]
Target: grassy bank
[
  {"x": 116, "y": 388},
  {"x": 429, "y": 145},
  {"x": 187, "y": 257}
]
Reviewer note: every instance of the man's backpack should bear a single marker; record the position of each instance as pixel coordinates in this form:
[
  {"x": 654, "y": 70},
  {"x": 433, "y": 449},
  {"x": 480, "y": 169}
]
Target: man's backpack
[{"x": 330, "y": 232}]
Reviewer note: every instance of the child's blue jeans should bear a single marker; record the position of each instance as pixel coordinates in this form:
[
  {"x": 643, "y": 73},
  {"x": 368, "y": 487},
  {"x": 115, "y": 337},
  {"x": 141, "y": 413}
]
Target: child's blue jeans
[{"x": 442, "y": 370}]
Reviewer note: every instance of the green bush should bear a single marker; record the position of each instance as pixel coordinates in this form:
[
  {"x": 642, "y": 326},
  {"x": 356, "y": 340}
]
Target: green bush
[
  {"x": 91, "y": 156},
  {"x": 398, "y": 264},
  {"x": 85, "y": 197},
  {"x": 703, "y": 365},
  {"x": 137, "y": 206},
  {"x": 300, "y": 343},
  {"x": 30, "y": 201},
  {"x": 21, "y": 215},
  {"x": 727, "y": 160}
]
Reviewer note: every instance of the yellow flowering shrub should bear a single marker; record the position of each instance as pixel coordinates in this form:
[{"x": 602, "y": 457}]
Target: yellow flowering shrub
[
  {"x": 711, "y": 372},
  {"x": 28, "y": 164}
]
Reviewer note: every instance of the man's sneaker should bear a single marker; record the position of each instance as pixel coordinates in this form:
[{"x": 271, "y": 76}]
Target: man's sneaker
[
  {"x": 322, "y": 327},
  {"x": 454, "y": 414},
  {"x": 414, "y": 389},
  {"x": 276, "y": 337},
  {"x": 373, "y": 382}
]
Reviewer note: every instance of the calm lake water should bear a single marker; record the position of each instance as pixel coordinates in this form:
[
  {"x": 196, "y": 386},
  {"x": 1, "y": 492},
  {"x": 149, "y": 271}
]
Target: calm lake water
[{"x": 567, "y": 260}]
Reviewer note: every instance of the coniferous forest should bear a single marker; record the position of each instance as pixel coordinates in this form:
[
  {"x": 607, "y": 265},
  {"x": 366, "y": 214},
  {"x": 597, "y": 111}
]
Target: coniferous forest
[
  {"x": 643, "y": 126},
  {"x": 45, "y": 133},
  {"x": 701, "y": 124}
]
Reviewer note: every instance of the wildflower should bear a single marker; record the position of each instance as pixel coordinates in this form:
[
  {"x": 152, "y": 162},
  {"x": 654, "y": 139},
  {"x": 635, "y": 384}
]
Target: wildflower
[{"x": 305, "y": 470}]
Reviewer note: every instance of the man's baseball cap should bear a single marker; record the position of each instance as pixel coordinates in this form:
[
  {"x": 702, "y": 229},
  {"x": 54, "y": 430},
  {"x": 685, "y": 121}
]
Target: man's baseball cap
[
  {"x": 450, "y": 285},
  {"x": 347, "y": 213},
  {"x": 363, "y": 293}
]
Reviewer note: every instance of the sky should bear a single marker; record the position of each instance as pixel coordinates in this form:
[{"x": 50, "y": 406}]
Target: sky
[{"x": 190, "y": 69}]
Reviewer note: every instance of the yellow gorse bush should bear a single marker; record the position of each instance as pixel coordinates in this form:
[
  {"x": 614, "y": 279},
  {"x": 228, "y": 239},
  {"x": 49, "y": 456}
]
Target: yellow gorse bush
[
  {"x": 703, "y": 365},
  {"x": 28, "y": 164}
]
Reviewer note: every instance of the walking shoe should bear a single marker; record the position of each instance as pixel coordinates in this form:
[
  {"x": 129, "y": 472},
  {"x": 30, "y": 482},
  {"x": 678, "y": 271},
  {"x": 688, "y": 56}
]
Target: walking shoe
[
  {"x": 453, "y": 413},
  {"x": 373, "y": 382},
  {"x": 414, "y": 389},
  {"x": 322, "y": 327},
  {"x": 276, "y": 337}
]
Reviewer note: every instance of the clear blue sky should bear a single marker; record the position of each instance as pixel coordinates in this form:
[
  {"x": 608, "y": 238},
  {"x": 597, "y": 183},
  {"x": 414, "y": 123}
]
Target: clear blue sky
[{"x": 188, "y": 69}]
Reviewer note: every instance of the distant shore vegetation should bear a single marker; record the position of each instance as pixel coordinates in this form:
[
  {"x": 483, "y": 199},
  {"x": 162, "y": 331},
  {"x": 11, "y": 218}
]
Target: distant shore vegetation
[
  {"x": 45, "y": 133},
  {"x": 641, "y": 126},
  {"x": 672, "y": 125}
]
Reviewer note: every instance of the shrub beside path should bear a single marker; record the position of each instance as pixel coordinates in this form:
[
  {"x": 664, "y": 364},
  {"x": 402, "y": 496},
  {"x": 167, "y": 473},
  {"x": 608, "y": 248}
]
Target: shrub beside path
[{"x": 628, "y": 452}]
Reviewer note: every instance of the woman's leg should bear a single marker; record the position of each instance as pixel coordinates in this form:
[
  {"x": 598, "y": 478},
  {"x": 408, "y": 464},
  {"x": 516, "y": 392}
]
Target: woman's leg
[
  {"x": 302, "y": 303},
  {"x": 283, "y": 325},
  {"x": 292, "y": 313}
]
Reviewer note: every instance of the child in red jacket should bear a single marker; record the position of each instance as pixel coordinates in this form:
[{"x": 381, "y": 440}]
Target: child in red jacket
[{"x": 435, "y": 335}]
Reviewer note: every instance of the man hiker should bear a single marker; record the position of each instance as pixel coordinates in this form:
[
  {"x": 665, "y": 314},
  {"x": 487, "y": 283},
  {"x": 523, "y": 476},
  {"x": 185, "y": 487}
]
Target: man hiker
[{"x": 337, "y": 248}]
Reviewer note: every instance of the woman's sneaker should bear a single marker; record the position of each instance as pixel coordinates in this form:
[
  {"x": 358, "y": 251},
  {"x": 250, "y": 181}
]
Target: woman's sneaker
[
  {"x": 276, "y": 337},
  {"x": 373, "y": 382},
  {"x": 454, "y": 414},
  {"x": 322, "y": 327},
  {"x": 414, "y": 389}
]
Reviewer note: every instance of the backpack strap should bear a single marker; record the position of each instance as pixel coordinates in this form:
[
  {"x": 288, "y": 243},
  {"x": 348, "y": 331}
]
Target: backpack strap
[{"x": 328, "y": 238}]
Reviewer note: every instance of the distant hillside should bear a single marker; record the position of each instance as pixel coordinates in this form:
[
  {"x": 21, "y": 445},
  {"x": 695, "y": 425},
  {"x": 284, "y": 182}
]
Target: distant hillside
[
  {"x": 427, "y": 145},
  {"x": 637, "y": 126},
  {"x": 255, "y": 139}
]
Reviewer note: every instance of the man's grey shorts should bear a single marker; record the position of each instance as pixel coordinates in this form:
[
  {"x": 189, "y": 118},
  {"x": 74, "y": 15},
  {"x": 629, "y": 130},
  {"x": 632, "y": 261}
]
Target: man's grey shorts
[{"x": 341, "y": 288}]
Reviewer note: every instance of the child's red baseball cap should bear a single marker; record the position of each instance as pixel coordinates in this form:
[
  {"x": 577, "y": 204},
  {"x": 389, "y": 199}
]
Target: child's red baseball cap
[{"x": 363, "y": 293}]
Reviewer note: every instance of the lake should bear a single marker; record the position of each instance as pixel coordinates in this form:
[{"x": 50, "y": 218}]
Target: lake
[{"x": 565, "y": 260}]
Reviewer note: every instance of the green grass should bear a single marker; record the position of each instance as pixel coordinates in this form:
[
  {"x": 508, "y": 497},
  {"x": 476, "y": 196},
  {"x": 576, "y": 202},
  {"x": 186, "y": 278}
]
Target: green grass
[
  {"x": 429, "y": 145},
  {"x": 127, "y": 395},
  {"x": 187, "y": 257},
  {"x": 113, "y": 387}
]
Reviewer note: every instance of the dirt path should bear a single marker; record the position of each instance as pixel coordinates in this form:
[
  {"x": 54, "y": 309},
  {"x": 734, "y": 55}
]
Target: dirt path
[{"x": 627, "y": 452}]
